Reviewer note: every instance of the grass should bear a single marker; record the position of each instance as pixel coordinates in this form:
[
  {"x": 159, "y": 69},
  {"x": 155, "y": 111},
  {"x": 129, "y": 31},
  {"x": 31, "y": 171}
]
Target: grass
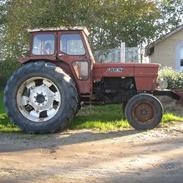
[
  {"x": 103, "y": 118},
  {"x": 106, "y": 117},
  {"x": 170, "y": 117},
  {"x": 5, "y": 124}
]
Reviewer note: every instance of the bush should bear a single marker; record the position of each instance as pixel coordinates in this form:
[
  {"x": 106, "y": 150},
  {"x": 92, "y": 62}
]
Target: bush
[
  {"x": 174, "y": 78},
  {"x": 7, "y": 67}
]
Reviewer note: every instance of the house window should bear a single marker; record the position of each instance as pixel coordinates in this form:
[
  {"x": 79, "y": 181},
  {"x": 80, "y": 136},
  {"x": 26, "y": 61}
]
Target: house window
[
  {"x": 181, "y": 56},
  {"x": 181, "y": 62}
]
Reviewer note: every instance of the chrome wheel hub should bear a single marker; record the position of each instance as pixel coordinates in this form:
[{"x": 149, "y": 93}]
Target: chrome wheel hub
[{"x": 38, "y": 99}]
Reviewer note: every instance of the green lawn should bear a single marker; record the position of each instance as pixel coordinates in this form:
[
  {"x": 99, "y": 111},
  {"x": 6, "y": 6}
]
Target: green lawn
[
  {"x": 104, "y": 118},
  {"x": 5, "y": 124}
]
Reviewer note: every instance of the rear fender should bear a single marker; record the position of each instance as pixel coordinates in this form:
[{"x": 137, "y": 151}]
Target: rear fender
[
  {"x": 64, "y": 66},
  {"x": 24, "y": 60}
]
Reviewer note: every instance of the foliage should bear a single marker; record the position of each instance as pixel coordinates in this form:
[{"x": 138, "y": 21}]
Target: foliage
[
  {"x": 7, "y": 68},
  {"x": 110, "y": 22},
  {"x": 173, "y": 78},
  {"x": 1, "y": 103},
  {"x": 5, "y": 124},
  {"x": 171, "y": 14}
]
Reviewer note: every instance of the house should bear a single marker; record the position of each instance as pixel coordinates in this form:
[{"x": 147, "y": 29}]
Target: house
[{"x": 168, "y": 50}]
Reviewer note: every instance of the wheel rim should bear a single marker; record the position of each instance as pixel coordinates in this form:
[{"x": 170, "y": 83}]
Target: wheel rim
[
  {"x": 143, "y": 112},
  {"x": 38, "y": 99}
]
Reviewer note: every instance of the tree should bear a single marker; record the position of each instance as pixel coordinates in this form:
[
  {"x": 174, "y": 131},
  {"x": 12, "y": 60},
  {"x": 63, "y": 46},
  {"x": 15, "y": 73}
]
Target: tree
[
  {"x": 171, "y": 14},
  {"x": 109, "y": 21}
]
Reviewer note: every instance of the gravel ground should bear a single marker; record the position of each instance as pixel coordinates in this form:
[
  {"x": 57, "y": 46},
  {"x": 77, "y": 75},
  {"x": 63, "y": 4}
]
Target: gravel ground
[{"x": 88, "y": 156}]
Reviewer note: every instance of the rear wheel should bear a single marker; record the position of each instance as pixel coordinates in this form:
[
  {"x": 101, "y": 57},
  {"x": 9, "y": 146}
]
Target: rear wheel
[
  {"x": 41, "y": 98},
  {"x": 144, "y": 111}
]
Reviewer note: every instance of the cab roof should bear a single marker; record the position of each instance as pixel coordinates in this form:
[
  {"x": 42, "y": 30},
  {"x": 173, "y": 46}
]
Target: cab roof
[{"x": 77, "y": 28}]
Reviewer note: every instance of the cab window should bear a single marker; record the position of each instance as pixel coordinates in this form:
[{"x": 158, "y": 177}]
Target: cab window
[
  {"x": 72, "y": 44},
  {"x": 43, "y": 44}
]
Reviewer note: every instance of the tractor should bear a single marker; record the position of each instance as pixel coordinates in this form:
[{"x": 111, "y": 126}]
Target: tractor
[{"x": 60, "y": 73}]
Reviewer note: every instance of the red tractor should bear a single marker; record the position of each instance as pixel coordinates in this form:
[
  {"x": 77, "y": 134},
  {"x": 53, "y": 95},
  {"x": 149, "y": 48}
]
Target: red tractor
[{"x": 60, "y": 73}]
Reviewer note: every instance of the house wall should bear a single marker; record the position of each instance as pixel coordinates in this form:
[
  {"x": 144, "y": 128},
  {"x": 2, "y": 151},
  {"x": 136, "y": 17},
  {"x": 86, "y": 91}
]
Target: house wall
[{"x": 165, "y": 52}]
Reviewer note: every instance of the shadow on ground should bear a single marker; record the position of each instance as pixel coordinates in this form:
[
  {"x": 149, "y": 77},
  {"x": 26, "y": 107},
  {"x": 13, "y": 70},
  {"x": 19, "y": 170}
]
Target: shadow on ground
[
  {"x": 141, "y": 157},
  {"x": 19, "y": 142}
]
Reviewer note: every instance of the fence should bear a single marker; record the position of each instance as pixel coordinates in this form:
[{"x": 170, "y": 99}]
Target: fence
[{"x": 122, "y": 54}]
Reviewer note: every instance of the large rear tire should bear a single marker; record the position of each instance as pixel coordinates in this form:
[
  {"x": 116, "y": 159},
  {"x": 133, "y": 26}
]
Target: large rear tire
[
  {"x": 41, "y": 98},
  {"x": 144, "y": 111}
]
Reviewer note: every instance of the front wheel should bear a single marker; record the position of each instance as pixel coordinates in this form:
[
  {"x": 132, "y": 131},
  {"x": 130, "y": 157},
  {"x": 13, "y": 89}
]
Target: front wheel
[
  {"x": 41, "y": 98},
  {"x": 144, "y": 111}
]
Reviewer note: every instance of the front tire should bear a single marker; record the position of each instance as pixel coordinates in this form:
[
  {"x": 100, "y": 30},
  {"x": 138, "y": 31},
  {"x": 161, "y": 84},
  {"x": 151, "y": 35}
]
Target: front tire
[
  {"x": 144, "y": 111},
  {"x": 41, "y": 98}
]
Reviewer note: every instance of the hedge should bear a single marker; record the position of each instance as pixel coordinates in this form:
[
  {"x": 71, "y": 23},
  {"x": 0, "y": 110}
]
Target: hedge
[
  {"x": 173, "y": 78},
  {"x": 7, "y": 67}
]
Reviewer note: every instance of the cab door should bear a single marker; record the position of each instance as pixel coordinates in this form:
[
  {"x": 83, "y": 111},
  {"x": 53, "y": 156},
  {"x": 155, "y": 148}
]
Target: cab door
[{"x": 72, "y": 50}]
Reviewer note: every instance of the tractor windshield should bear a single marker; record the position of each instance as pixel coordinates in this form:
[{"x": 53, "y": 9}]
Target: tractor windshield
[{"x": 43, "y": 44}]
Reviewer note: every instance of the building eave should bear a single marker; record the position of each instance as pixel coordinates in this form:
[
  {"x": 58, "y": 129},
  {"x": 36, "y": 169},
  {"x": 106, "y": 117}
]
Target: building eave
[{"x": 150, "y": 47}]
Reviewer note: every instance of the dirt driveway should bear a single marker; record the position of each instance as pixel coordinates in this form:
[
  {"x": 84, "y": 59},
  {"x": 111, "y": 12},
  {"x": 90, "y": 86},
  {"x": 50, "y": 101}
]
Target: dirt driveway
[{"x": 86, "y": 156}]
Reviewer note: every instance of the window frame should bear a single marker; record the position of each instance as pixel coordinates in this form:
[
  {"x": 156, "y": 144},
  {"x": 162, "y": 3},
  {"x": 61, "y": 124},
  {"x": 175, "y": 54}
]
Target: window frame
[
  {"x": 181, "y": 56},
  {"x": 71, "y": 33},
  {"x": 181, "y": 62},
  {"x": 43, "y": 33}
]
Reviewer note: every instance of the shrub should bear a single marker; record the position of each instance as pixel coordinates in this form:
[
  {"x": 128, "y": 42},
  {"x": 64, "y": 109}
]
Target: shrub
[
  {"x": 7, "y": 67},
  {"x": 174, "y": 78}
]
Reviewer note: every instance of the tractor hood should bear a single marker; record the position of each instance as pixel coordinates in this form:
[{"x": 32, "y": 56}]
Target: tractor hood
[{"x": 145, "y": 75}]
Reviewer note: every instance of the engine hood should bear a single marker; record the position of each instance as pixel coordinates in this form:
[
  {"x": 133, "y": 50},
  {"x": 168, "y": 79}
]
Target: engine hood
[{"x": 145, "y": 74}]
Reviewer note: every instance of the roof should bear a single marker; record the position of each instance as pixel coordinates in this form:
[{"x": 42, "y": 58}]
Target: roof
[
  {"x": 149, "y": 48},
  {"x": 77, "y": 28}
]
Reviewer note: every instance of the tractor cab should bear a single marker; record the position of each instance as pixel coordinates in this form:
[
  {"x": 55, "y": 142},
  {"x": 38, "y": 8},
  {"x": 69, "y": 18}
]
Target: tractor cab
[
  {"x": 69, "y": 48},
  {"x": 58, "y": 41}
]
